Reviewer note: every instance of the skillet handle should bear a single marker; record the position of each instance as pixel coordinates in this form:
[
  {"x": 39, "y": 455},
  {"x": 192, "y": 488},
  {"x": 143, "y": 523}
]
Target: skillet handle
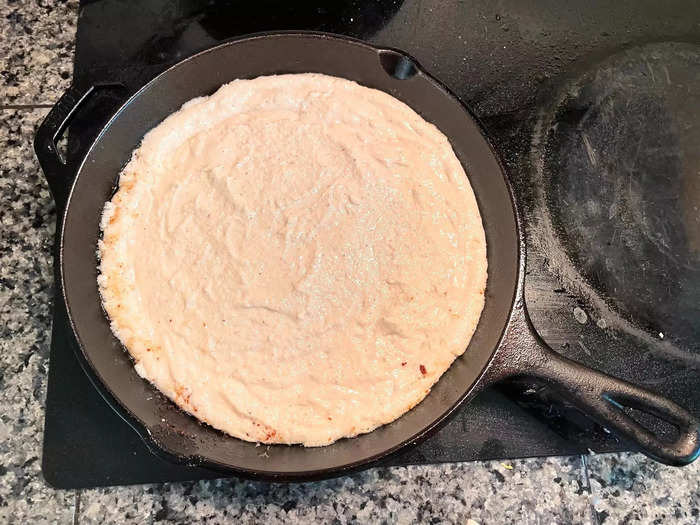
[
  {"x": 601, "y": 396},
  {"x": 60, "y": 171}
]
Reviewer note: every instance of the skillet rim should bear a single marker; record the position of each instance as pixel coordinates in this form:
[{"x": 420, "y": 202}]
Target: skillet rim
[{"x": 142, "y": 428}]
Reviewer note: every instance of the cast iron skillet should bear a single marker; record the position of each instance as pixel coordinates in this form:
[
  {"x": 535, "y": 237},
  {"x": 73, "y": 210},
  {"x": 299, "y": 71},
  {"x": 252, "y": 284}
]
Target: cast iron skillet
[{"x": 504, "y": 345}]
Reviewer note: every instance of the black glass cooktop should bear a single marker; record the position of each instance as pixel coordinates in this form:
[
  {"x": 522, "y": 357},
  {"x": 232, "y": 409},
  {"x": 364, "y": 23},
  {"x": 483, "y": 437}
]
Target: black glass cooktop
[{"x": 594, "y": 112}]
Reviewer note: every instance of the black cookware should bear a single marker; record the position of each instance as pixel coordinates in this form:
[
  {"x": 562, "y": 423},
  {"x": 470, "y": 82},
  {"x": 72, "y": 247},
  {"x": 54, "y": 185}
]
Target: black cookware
[{"x": 504, "y": 345}]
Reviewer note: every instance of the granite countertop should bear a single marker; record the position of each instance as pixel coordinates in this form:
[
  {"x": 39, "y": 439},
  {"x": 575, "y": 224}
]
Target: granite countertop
[{"x": 36, "y": 63}]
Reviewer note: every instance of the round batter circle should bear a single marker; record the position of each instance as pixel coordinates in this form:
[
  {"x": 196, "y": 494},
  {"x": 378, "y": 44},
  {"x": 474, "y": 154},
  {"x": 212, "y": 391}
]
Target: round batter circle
[{"x": 294, "y": 259}]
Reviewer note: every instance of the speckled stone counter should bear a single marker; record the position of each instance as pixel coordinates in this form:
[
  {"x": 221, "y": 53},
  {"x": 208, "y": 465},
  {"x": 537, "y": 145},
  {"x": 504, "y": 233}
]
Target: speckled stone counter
[{"x": 35, "y": 59}]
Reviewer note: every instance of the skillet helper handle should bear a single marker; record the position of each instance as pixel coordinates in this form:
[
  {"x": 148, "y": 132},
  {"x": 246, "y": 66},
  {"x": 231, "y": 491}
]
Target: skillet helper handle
[
  {"x": 604, "y": 398},
  {"x": 60, "y": 171},
  {"x": 56, "y": 168}
]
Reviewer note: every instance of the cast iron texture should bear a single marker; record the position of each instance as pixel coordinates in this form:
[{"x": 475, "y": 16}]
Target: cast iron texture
[{"x": 504, "y": 329}]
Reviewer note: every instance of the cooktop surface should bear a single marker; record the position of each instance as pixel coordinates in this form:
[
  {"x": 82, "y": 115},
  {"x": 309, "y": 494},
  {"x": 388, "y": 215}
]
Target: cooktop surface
[{"x": 594, "y": 112}]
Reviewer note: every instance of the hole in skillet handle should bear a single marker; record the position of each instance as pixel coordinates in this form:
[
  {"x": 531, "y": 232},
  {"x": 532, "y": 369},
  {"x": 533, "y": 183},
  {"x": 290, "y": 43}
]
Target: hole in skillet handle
[
  {"x": 397, "y": 64},
  {"x": 668, "y": 432},
  {"x": 665, "y": 425}
]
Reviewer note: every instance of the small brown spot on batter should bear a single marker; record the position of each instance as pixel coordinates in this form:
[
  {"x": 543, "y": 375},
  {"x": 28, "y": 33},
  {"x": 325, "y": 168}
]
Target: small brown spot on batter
[
  {"x": 423, "y": 370},
  {"x": 182, "y": 394},
  {"x": 403, "y": 364}
]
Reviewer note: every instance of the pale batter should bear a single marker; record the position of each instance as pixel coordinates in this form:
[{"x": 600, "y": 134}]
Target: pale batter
[{"x": 294, "y": 259}]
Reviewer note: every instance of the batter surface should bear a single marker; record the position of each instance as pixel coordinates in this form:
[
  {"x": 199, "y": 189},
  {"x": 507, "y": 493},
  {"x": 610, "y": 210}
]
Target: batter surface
[{"x": 294, "y": 259}]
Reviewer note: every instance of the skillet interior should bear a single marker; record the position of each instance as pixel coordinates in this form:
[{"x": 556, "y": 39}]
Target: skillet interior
[{"x": 158, "y": 420}]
